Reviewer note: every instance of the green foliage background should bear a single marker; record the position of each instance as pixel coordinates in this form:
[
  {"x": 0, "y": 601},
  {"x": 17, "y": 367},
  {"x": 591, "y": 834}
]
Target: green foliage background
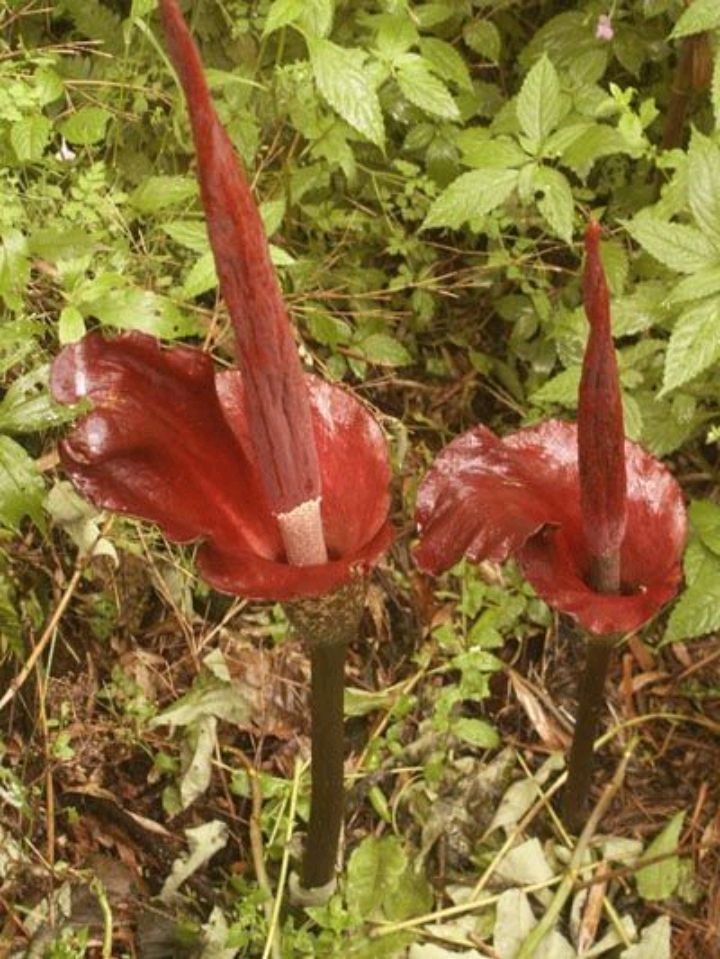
[{"x": 425, "y": 172}]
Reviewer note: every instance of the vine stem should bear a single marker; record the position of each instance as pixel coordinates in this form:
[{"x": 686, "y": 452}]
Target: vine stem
[
  {"x": 327, "y": 802},
  {"x": 591, "y": 699}
]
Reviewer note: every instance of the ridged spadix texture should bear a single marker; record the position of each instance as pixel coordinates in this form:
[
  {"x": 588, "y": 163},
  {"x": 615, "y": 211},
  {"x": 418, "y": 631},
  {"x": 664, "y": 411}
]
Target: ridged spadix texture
[
  {"x": 278, "y": 409},
  {"x": 491, "y": 498}
]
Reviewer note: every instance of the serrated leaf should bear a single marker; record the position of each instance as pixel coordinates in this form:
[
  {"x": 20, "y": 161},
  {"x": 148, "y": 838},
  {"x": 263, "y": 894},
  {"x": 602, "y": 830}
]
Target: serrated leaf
[
  {"x": 86, "y": 126},
  {"x": 697, "y": 612},
  {"x": 556, "y": 203},
  {"x": 30, "y": 136},
  {"x": 562, "y": 389},
  {"x": 423, "y": 88},
  {"x": 694, "y": 345},
  {"x": 483, "y": 37},
  {"x": 374, "y": 869},
  {"x": 132, "y": 308},
  {"x": 701, "y": 15},
  {"x": 538, "y": 103},
  {"x": 704, "y": 184},
  {"x": 384, "y": 350},
  {"x": 71, "y": 325},
  {"x": 282, "y": 13},
  {"x": 659, "y": 880},
  {"x": 682, "y": 248},
  {"x": 192, "y": 234},
  {"x": 21, "y": 485},
  {"x": 445, "y": 60},
  {"x": 481, "y": 151},
  {"x": 471, "y": 196},
  {"x": 596, "y": 141},
  {"x": 159, "y": 192},
  {"x": 705, "y": 518},
  {"x": 348, "y": 87},
  {"x": 202, "y": 277},
  {"x": 317, "y": 17},
  {"x": 699, "y": 285}
]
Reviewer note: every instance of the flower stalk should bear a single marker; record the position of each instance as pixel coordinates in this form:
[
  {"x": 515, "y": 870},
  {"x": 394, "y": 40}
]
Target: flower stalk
[{"x": 603, "y": 503}]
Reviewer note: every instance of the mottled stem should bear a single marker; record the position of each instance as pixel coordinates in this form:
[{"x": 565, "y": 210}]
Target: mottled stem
[
  {"x": 591, "y": 699},
  {"x": 327, "y": 801}
]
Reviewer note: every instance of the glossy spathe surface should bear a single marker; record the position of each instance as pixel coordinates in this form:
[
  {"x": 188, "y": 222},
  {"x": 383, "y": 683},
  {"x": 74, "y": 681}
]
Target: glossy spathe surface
[
  {"x": 167, "y": 440},
  {"x": 490, "y": 498}
]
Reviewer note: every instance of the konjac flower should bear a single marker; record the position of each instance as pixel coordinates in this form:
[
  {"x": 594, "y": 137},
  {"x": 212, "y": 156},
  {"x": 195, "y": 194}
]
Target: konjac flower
[
  {"x": 596, "y": 523},
  {"x": 563, "y": 497},
  {"x": 281, "y": 478}
]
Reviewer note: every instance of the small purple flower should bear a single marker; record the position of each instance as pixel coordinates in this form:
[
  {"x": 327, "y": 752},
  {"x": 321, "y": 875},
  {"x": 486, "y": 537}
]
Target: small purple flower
[{"x": 604, "y": 29}]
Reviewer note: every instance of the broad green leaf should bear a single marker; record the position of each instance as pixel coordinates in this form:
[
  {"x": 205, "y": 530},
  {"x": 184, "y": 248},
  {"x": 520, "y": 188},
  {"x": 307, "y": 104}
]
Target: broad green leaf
[
  {"x": 272, "y": 213},
  {"x": 694, "y": 344},
  {"x": 395, "y": 35},
  {"x": 705, "y": 518},
  {"x": 86, "y": 126},
  {"x": 697, "y": 612},
  {"x": 423, "y": 88},
  {"x": 55, "y": 245},
  {"x": 28, "y": 407},
  {"x": 158, "y": 192},
  {"x": 30, "y": 136},
  {"x": 132, "y": 308},
  {"x": 480, "y": 150},
  {"x": 701, "y": 15},
  {"x": 445, "y": 61},
  {"x": 191, "y": 234},
  {"x": 202, "y": 277},
  {"x": 384, "y": 350},
  {"x": 596, "y": 141},
  {"x": 14, "y": 268},
  {"x": 483, "y": 37},
  {"x": 71, "y": 325},
  {"x": 704, "y": 184},
  {"x": 347, "y": 85},
  {"x": 682, "y": 248},
  {"x": 655, "y": 942},
  {"x": 412, "y": 896},
  {"x": 562, "y": 389},
  {"x": 556, "y": 203},
  {"x": 373, "y": 871},
  {"x": 476, "y": 732},
  {"x": 471, "y": 196},
  {"x": 317, "y": 17},
  {"x": 696, "y": 287},
  {"x": 209, "y": 696},
  {"x": 539, "y": 105},
  {"x": 659, "y": 880},
  {"x": 21, "y": 485},
  {"x": 281, "y": 13}
]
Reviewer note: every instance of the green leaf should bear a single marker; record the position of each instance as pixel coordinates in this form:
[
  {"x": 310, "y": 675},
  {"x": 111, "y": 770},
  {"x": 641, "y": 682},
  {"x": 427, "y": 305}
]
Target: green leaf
[
  {"x": 28, "y": 406},
  {"x": 21, "y": 485},
  {"x": 348, "y": 87},
  {"x": 282, "y": 13},
  {"x": 596, "y": 141},
  {"x": 424, "y": 89},
  {"x": 655, "y": 942},
  {"x": 701, "y": 15},
  {"x": 696, "y": 287},
  {"x": 132, "y": 308},
  {"x": 30, "y": 136},
  {"x": 477, "y": 732},
  {"x": 704, "y": 184},
  {"x": 202, "y": 277},
  {"x": 715, "y": 91},
  {"x": 705, "y": 518},
  {"x": 384, "y": 350},
  {"x": 86, "y": 126},
  {"x": 697, "y": 612},
  {"x": 659, "y": 880},
  {"x": 192, "y": 234},
  {"x": 14, "y": 268},
  {"x": 209, "y": 696},
  {"x": 471, "y": 196},
  {"x": 556, "y": 203},
  {"x": 80, "y": 520},
  {"x": 682, "y": 248},
  {"x": 480, "y": 150},
  {"x": 373, "y": 871},
  {"x": 539, "y": 106},
  {"x": 317, "y": 17},
  {"x": 694, "y": 344},
  {"x": 562, "y": 389},
  {"x": 483, "y": 37},
  {"x": 158, "y": 192},
  {"x": 445, "y": 61},
  {"x": 71, "y": 325}
]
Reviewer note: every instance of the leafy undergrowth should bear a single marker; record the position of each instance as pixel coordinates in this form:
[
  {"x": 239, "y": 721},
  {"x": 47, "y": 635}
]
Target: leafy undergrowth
[{"x": 424, "y": 172}]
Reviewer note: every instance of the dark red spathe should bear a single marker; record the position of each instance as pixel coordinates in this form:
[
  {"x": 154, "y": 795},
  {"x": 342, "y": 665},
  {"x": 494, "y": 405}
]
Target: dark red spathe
[{"x": 167, "y": 440}]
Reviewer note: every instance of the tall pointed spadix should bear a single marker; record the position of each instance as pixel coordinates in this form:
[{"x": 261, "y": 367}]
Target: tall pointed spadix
[
  {"x": 276, "y": 398},
  {"x": 600, "y": 432}
]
